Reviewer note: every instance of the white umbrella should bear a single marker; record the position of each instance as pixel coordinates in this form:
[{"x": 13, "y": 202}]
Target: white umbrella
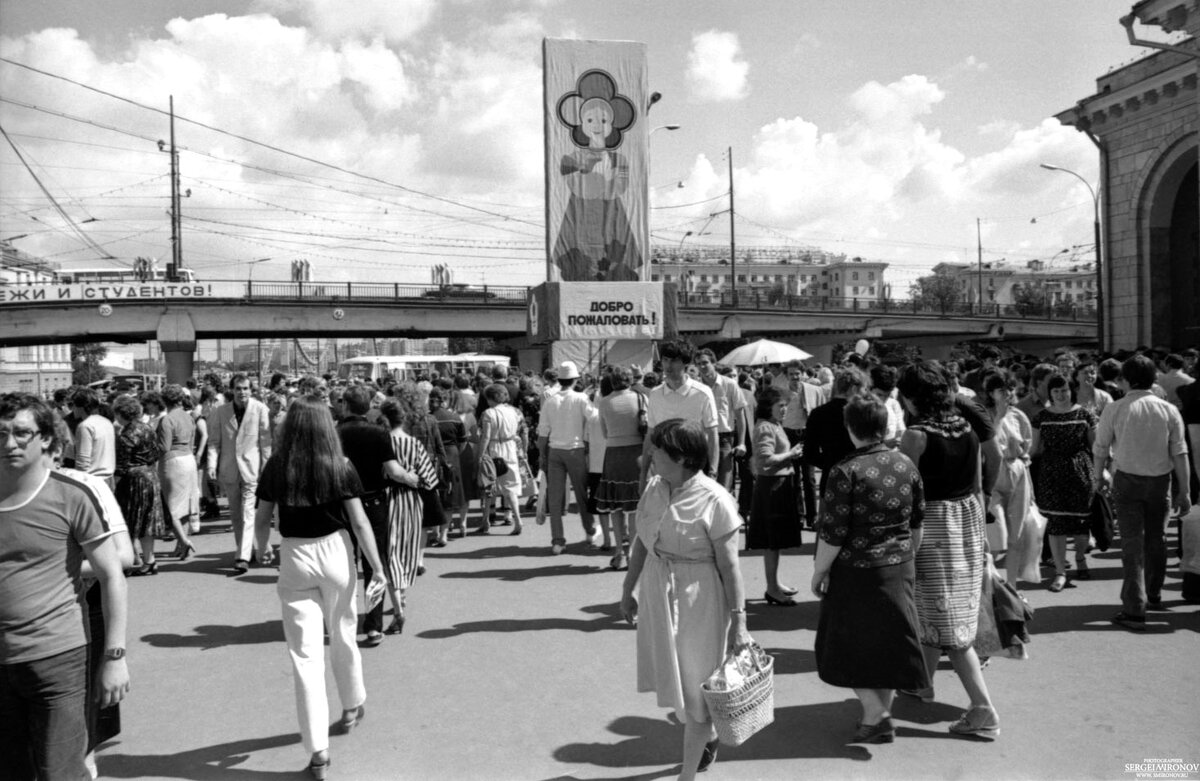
[{"x": 764, "y": 351}]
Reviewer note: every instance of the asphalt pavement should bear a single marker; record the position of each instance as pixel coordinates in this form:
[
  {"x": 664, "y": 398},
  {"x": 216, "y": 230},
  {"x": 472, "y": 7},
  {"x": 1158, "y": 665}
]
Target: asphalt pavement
[{"x": 514, "y": 664}]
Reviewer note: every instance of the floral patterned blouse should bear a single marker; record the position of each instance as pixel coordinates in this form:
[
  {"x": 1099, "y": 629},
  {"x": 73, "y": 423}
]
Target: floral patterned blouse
[
  {"x": 874, "y": 498},
  {"x": 137, "y": 445}
]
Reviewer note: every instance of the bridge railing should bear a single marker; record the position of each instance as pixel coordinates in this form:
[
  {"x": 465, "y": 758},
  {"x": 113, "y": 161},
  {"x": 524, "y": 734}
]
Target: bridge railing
[
  {"x": 385, "y": 291},
  {"x": 768, "y": 301}
]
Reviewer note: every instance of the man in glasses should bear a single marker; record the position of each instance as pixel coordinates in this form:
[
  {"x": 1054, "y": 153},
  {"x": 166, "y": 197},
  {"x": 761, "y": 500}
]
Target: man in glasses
[{"x": 49, "y": 523}]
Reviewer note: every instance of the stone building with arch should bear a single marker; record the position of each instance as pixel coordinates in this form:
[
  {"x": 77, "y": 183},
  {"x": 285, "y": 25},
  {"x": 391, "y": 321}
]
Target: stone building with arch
[{"x": 1144, "y": 120}]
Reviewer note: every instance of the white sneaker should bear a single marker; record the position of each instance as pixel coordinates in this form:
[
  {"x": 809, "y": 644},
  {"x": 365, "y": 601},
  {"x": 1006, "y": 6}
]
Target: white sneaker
[{"x": 594, "y": 539}]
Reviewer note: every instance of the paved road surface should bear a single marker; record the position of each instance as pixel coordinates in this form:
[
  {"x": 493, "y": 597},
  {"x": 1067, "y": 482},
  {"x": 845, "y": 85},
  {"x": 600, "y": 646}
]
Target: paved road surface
[{"x": 514, "y": 665}]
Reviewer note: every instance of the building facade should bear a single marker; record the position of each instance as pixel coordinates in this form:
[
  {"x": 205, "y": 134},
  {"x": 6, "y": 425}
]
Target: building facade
[
  {"x": 1033, "y": 283},
  {"x": 39, "y": 369},
  {"x": 1143, "y": 119},
  {"x": 767, "y": 274}
]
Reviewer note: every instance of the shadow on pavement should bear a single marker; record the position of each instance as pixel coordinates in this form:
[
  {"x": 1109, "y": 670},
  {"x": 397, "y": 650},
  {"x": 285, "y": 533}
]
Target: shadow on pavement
[
  {"x": 210, "y": 763},
  {"x": 519, "y": 575},
  {"x": 799, "y": 732},
  {"x": 212, "y": 636},
  {"x": 608, "y": 618}
]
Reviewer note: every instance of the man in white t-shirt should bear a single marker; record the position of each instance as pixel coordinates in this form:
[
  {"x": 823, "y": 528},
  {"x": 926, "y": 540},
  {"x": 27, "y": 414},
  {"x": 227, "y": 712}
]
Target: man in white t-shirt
[
  {"x": 679, "y": 396},
  {"x": 731, "y": 414}
]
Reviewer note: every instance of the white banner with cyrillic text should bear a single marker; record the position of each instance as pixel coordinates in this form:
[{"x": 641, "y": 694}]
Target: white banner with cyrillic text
[{"x": 611, "y": 310}]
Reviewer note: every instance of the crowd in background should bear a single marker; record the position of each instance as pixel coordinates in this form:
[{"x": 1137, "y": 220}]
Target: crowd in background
[{"x": 928, "y": 483}]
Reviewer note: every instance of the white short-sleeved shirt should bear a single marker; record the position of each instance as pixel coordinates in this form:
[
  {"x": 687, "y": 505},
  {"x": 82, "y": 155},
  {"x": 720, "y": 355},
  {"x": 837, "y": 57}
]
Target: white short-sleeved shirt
[
  {"x": 728, "y": 398},
  {"x": 692, "y": 401}
]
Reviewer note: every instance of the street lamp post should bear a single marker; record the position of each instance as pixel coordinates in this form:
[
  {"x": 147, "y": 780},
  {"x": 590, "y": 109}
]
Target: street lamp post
[{"x": 1099, "y": 248}]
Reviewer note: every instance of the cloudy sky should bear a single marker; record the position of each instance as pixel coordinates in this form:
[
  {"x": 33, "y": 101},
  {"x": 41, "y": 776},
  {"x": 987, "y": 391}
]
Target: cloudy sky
[{"x": 377, "y": 137}]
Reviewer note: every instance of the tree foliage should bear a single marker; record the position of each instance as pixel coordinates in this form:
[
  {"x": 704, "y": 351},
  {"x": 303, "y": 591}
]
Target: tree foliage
[
  {"x": 937, "y": 291},
  {"x": 86, "y": 358}
]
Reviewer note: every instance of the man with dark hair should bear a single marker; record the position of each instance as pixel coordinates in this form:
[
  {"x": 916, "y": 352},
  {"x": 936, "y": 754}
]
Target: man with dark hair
[
  {"x": 731, "y": 415},
  {"x": 679, "y": 396},
  {"x": 1173, "y": 378},
  {"x": 95, "y": 437},
  {"x": 1038, "y": 394},
  {"x": 990, "y": 358},
  {"x": 803, "y": 397},
  {"x": 49, "y": 523},
  {"x": 1143, "y": 436},
  {"x": 369, "y": 448},
  {"x": 239, "y": 444}
]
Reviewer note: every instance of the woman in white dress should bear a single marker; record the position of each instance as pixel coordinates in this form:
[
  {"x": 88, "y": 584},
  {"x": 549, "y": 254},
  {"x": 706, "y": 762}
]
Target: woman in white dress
[
  {"x": 501, "y": 437},
  {"x": 684, "y": 564},
  {"x": 1011, "y": 502}
]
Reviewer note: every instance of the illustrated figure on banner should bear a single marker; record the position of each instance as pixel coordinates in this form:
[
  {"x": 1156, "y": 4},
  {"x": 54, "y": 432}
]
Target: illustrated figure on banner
[{"x": 595, "y": 241}]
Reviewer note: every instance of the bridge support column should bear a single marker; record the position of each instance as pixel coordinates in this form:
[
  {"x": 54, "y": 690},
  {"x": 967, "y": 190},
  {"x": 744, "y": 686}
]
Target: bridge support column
[{"x": 177, "y": 339}]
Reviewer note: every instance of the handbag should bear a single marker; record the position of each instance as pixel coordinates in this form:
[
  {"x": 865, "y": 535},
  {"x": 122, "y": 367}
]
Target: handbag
[
  {"x": 501, "y": 466},
  {"x": 1102, "y": 521},
  {"x": 445, "y": 475},
  {"x": 643, "y": 426},
  {"x": 741, "y": 710}
]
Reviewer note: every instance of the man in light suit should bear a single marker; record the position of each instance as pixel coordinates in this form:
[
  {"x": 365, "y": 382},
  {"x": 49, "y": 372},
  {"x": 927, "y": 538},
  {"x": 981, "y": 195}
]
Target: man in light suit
[{"x": 239, "y": 444}]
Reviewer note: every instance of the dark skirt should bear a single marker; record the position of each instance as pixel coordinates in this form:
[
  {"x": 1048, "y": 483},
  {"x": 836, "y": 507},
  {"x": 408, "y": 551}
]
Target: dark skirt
[
  {"x": 774, "y": 523},
  {"x": 618, "y": 489},
  {"x": 457, "y": 497},
  {"x": 140, "y": 499},
  {"x": 867, "y": 633}
]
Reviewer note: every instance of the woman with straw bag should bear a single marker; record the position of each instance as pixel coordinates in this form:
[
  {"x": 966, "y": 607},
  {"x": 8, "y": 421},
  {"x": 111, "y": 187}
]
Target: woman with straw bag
[{"x": 684, "y": 564}]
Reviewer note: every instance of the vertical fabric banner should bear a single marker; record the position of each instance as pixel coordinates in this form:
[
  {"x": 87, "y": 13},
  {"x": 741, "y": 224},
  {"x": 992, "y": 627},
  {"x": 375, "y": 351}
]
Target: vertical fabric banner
[{"x": 597, "y": 160}]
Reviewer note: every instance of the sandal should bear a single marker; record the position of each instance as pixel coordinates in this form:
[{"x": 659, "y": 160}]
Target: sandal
[
  {"x": 1058, "y": 584},
  {"x": 987, "y": 727}
]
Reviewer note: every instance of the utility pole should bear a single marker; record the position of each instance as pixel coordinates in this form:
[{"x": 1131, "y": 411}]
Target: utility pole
[
  {"x": 732, "y": 242},
  {"x": 176, "y": 232},
  {"x": 979, "y": 250}
]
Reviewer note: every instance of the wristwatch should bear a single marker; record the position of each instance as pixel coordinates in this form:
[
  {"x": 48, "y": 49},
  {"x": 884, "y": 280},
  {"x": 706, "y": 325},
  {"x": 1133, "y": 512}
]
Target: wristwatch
[{"x": 113, "y": 654}]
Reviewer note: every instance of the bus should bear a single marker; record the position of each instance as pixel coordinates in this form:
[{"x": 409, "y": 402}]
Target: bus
[
  {"x": 380, "y": 368},
  {"x": 120, "y": 276},
  {"x": 134, "y": 382}
]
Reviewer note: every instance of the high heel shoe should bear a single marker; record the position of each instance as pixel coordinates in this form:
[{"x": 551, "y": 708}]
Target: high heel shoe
[
  {"x": 516, "y": 530},
  {"x": 186, "y": 553},
  {"x": 709, "y": 756},
  {"x": 145, "y": 569},
  {"x": 883, "y": 732},
  {"x": 351, "y": 719},
  {"x": 396, "y": 627}
]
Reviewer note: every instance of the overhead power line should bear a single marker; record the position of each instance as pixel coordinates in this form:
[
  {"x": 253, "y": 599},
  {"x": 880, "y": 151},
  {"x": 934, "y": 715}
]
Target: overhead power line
[{"x": 265, "y": 145}]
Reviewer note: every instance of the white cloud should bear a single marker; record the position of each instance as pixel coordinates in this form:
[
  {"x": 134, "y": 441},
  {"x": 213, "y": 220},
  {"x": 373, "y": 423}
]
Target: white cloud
[
  {"x": 887, "y": 184},
  {"x": 715, "y": 69},
  {"x": 392, "y": 20}
]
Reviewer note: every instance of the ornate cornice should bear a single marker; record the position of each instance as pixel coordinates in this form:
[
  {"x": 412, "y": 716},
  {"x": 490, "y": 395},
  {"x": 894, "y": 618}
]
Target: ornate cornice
[{"x": 1108, "y": 108}]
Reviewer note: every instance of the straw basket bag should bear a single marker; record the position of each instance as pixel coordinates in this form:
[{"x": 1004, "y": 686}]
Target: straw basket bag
[{"x": 742, "y": 711}]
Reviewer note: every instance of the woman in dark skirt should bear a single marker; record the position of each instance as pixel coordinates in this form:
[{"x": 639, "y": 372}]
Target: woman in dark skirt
[
  {"x": 774, "y": 523},
  {"x": 454, "y": 437},
  {"x": 618, "y": 494},
  {"x": 864, "y": 575},
  {"x": 138, "y": 489}
]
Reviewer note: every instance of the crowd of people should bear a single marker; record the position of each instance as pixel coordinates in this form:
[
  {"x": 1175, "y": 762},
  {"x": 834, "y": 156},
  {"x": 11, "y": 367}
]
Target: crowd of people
[{"x": 927, "y": 486}]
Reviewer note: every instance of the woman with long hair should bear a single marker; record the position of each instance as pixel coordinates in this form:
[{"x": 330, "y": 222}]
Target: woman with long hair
[
  {"x": 950, "y": 561},
  {"x": 1011, "y": 502},
  {"x": 317, "y": 492},
  {"x": 406, "y": 509},
  {"x": 774, "y": 524},
  {"x": 177, "y": 468},
  {"x": 138, "y": 491},
  {"x": 1063, "y": 434}
]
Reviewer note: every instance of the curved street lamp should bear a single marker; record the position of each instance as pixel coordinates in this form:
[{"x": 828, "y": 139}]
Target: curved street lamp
[{"x": 1099, "y": 248}]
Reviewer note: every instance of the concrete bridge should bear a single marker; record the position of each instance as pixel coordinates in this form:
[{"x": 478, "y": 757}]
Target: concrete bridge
[{"x": 177, "y": 315}]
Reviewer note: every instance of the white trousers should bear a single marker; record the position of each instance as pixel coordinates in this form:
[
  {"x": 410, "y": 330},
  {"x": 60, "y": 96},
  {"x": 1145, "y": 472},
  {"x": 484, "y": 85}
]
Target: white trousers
[
  {"x": 317, "y": 585},
  {"x": 247, "y": 537}
]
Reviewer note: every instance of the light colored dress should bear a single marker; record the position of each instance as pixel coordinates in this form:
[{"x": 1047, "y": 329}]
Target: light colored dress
[
  {"x": 1012, "y": 499},
  {"x": 502, "y": 423},
  {"x": 683, "y": 621}
]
